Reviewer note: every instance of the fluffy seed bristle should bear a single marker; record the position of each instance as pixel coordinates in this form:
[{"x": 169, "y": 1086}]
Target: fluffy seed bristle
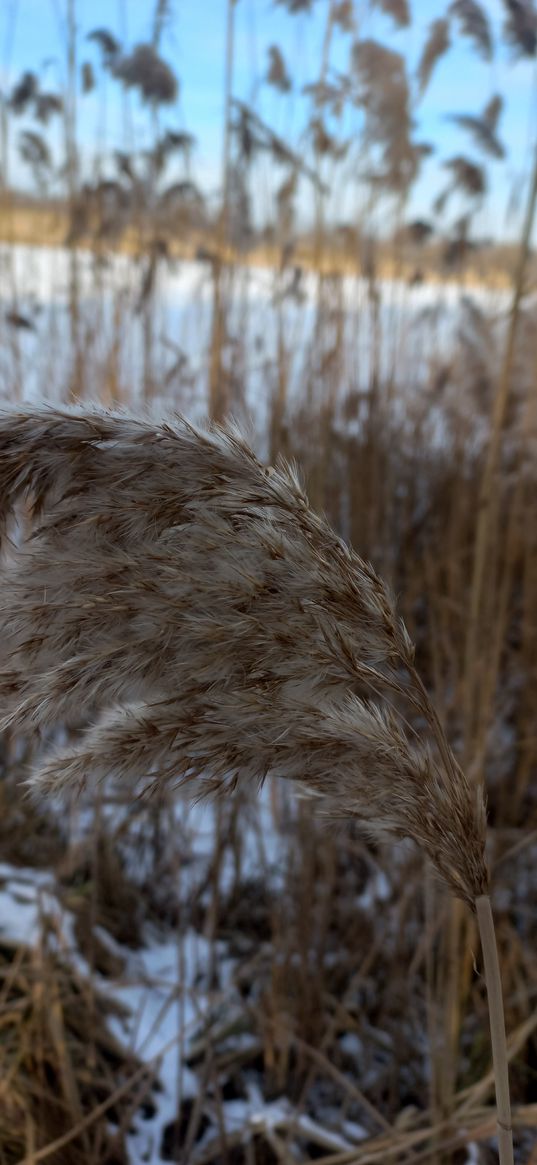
[{"x": 189, "y": 605}]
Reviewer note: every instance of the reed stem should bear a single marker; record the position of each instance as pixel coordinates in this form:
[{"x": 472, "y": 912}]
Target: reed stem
[
  {"x": 487, "y": 515},
  {"x": 497, "y": 1028}
]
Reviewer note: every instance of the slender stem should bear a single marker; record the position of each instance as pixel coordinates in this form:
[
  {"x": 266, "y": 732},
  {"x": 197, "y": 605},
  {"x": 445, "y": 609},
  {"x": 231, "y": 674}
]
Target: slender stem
[
  {"x": 75, "y": 386},
  {"x": 497, "y": 1028},
  {"x": 320, "y": 190},
  {"x": 486, "y": 514},
  {"x": 218, "y": 402}
]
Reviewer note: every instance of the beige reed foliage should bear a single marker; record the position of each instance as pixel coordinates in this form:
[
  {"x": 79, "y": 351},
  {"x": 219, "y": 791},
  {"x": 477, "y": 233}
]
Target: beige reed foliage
[{"x": 186, "y": 604}]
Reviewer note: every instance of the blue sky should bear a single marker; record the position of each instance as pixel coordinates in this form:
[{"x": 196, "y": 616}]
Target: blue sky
[{"x": 32, "y": 35}]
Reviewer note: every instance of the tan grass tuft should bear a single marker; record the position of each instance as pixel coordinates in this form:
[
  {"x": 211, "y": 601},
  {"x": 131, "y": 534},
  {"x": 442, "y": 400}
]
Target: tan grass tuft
[{"x": 213, "y": 628}]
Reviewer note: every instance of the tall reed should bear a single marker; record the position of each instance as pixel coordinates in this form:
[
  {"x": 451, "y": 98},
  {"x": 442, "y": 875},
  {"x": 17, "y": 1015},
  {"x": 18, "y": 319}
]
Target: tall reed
[{"x": 212, "y": 628}]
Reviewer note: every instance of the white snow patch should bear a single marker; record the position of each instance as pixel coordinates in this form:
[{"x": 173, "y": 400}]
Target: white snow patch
[
  {"x": 27, "y": 898},
  {"x": 378, "y": 889}
]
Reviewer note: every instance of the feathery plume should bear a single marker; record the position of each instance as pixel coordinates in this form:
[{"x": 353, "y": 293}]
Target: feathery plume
[
  {"x": 16, "y": 319},
  {"x": 382, "y": 91},
  {"x": 474, "y": 24},
  {"x": 109, "y": 46},
  {"x": 145, "y": 70},
  {"x": 278, "y": 73},
  {"x": 483, "y": 129},
  {"x": 399, "y": 11},
  {"x": 419, "y": 231},
  {"x": 492, "y": 111},
  {"x": 23, "y": 93},
  {"x": 343, "y": 15},
  {"x": 34, "y": 150},
  {"x": 296, "y": 6},
  {"x": 520, "y": 28},
  {"x": 467, "y": 177},
  {"x": 46, "y": 105},
  {"x": 436, "y": 46},
  {"x": 87, "y": 77},
  {"x": 212, "y": 628}
]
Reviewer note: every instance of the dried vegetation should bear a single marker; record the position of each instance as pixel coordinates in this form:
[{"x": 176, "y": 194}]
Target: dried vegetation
[{"x": 353, "y": 993}]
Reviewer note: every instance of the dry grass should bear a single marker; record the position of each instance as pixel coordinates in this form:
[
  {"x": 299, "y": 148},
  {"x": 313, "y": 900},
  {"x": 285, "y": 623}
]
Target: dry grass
[{"x": 59, "y": 1063}]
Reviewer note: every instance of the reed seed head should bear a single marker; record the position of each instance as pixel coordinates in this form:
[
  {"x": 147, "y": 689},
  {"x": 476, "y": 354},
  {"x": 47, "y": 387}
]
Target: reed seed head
[{"x": 208, "y": 627}]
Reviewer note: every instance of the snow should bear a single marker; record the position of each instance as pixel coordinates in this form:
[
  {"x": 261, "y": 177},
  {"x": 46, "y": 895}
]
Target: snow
[
  {"x": 159, "y": 992},
  {"x": 164, "y": 992},
  {"x": 255, "y": 1115},
  {"x": 27, "y": 897},
  {"x": 409, "y": 326},
  {"x": 378, "y": 890},
  {"x": 167, "y": 1001},
  {"x": 159, "y": 988}
]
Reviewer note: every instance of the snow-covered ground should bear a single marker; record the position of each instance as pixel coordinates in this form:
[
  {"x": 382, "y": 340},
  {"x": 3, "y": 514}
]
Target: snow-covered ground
[
  {"x": 402, "y": 328},
  {"x": 168, "y": 997}
]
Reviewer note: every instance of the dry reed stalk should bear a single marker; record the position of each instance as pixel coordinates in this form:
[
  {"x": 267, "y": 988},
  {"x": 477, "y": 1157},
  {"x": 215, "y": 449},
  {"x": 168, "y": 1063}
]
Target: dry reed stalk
[
  {"x": 47, "y": 1081},
  {"x": 497, "y": 1027},
  {"x": 218, "y": 403},
  {"x": 437, "y": 44},
  {"x": 278, "y": 411},
  {"x": 487, "y": 519},
  {"x": 320, "y": 190},
  {"x": 71, "y": 173},
  {"x": 214, "y": 629},
  {"x": 493, "y": 553}
]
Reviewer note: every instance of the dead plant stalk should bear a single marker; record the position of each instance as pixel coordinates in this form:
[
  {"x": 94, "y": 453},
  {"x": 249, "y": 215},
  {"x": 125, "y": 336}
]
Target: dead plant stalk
[{"x": 487, "y": 515}]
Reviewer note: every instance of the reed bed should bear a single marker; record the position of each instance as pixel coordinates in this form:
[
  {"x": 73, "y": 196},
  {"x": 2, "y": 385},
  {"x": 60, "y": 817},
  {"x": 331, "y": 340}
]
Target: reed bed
[{"x": 387, "y": 404}]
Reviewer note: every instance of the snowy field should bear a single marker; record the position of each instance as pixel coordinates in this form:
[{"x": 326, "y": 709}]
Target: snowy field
[{"x": 393, "y": 332}]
